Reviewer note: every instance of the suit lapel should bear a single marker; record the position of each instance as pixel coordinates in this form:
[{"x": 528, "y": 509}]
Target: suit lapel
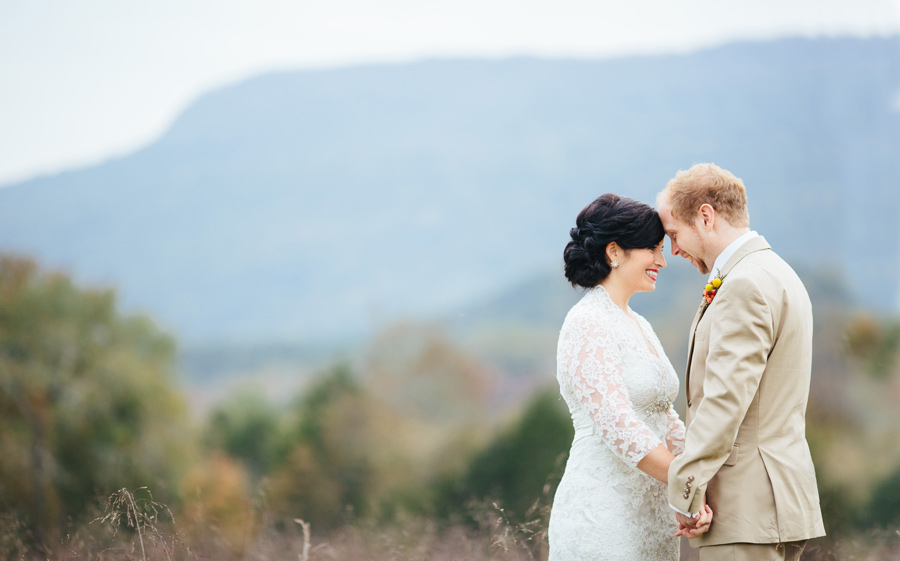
[
  {"x": 757, "y": 243},
  {"x": 690, "y": 355},
  {"x": 753, "y": 245}
]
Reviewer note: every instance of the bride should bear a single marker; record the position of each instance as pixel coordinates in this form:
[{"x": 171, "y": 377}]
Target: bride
[{"x": 612, "y": 501}]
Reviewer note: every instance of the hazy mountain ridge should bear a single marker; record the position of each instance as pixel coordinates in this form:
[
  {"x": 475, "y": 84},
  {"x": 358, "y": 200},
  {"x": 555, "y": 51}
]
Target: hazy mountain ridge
[{"x": 311, "y": 205}]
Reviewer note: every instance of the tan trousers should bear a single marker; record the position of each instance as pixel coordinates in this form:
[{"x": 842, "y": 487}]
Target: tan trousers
[{"x": 789, "y": 551}]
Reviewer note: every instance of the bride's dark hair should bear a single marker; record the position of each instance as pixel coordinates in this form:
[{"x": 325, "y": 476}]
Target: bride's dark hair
[{"x": 610, "y": 218}]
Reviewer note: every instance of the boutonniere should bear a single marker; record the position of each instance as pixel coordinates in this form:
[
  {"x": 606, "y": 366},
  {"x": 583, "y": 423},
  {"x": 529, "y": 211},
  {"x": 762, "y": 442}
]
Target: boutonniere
[{"x": 709, "y": 291}]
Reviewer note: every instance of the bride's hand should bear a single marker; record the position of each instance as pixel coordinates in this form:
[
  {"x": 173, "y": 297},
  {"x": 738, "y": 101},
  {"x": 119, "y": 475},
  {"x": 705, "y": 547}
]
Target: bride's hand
[{"x": 703, "y": 523}]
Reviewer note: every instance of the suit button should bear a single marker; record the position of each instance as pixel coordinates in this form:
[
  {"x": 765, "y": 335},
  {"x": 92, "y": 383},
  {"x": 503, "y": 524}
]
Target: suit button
[
  {"x": 690, "y": 479},
  {"x": 689, "y": 404},
  {"x": 686, "y": 495}
]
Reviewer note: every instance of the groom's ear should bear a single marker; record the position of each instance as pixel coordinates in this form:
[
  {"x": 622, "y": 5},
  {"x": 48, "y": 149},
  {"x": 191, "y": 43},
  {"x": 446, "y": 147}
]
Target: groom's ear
[{"x": 706, "y": 216}]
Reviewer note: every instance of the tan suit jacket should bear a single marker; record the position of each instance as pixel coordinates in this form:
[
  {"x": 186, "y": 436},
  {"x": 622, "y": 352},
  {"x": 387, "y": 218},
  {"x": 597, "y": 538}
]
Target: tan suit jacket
[{"x": 747, "y": 385}]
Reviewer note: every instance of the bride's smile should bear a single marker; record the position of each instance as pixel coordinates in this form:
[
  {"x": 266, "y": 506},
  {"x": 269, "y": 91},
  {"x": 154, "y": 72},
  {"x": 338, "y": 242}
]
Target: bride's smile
[{"x": 638, "y": 271}]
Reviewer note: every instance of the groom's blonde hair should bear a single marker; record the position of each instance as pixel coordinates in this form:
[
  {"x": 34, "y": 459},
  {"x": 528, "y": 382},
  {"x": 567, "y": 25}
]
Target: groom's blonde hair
[{"x": 707, "y": 184}]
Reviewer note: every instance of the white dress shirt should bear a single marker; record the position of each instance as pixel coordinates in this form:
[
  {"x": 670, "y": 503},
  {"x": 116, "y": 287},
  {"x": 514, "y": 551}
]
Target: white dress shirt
[{"x": 728, "y": 252}]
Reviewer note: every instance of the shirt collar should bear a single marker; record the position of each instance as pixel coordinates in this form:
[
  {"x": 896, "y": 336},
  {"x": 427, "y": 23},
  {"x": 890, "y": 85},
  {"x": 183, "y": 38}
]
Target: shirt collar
[{"x": 723, "y": 257}]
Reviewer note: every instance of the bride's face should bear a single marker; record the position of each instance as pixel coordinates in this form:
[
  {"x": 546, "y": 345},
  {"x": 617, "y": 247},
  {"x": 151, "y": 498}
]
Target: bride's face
[{"x": 640, "y": 267}]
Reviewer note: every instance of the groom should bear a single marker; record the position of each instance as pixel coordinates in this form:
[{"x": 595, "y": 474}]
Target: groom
[{"x": 747, "y": 379}]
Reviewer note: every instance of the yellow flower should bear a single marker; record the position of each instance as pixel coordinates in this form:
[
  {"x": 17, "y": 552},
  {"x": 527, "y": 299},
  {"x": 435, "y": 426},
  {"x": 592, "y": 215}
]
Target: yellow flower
[{"x": 709, "y": 291}]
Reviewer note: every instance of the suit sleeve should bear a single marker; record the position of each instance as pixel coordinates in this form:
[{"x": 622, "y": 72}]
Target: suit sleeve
[{"x": 741, "y": 337}]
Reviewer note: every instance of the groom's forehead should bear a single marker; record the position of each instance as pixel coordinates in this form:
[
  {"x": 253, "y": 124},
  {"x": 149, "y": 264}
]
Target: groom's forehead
[
  {"x": 675, "y": 227},
  {"x": 671, "y": 225}
]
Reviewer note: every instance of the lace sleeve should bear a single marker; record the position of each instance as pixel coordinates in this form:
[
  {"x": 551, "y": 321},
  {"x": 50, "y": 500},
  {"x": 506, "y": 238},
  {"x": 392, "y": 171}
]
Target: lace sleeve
[
  {"x": 674, "y": 433},
  {"x": 594, "y": 364}
]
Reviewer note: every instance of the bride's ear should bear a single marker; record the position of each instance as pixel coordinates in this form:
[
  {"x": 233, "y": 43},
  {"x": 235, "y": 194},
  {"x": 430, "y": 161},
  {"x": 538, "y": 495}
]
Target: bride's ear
[{"x": 613, "y": 252}]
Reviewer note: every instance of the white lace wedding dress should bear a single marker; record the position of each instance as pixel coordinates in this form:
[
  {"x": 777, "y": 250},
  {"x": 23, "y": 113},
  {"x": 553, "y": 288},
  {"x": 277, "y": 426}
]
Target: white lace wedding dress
[{"x": 619, "y": 394}]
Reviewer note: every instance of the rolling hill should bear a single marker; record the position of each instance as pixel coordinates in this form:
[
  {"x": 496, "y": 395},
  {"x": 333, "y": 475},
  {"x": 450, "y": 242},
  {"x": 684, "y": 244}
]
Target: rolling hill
[{"x": 316, "y": 205}]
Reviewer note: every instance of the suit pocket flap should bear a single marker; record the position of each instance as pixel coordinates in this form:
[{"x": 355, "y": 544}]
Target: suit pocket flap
[{"x": 732, "y": 458}]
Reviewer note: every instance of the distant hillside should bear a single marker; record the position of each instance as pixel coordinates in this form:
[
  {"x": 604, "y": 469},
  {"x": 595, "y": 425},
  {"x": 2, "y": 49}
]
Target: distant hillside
[{"x": 314, "y": 205}]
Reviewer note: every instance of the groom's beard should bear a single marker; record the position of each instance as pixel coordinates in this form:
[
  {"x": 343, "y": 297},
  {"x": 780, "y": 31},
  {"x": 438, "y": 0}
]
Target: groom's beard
[
  {"x": 699, "y": 264},
  {"x": 702, "y": 266}
]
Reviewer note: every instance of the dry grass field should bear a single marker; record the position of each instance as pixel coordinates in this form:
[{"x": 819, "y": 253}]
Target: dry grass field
[{"x": 133, "y": 527}]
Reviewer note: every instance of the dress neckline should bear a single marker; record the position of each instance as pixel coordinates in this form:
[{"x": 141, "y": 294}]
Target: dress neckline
[{"x": 641, "y": 335}]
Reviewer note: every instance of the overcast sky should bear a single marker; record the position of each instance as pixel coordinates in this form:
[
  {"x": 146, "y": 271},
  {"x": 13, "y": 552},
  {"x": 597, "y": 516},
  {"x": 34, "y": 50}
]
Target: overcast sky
[{"x": 84, "y": 80}]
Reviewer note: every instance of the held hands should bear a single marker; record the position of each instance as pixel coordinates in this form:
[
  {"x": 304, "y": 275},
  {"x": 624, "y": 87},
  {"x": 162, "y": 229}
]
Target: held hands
[
  {"x": 700, "y": 525},
  {"x": 694, "y": 527}
]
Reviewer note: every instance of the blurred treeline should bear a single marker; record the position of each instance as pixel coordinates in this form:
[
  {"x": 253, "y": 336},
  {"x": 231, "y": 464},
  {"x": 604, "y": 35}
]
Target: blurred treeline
[{"x": 90, "y": 405}]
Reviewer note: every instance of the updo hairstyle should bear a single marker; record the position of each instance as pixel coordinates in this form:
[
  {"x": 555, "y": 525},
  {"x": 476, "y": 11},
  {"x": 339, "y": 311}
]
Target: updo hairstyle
[{"x": 610, "y": 218}]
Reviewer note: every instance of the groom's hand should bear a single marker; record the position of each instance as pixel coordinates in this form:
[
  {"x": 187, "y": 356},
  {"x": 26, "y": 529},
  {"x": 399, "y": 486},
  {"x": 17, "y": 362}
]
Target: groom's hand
[
  {"x": 693, "y": 527},
  {"x": 685, "y": 521},
  {"x": 698, "y": 526}
]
